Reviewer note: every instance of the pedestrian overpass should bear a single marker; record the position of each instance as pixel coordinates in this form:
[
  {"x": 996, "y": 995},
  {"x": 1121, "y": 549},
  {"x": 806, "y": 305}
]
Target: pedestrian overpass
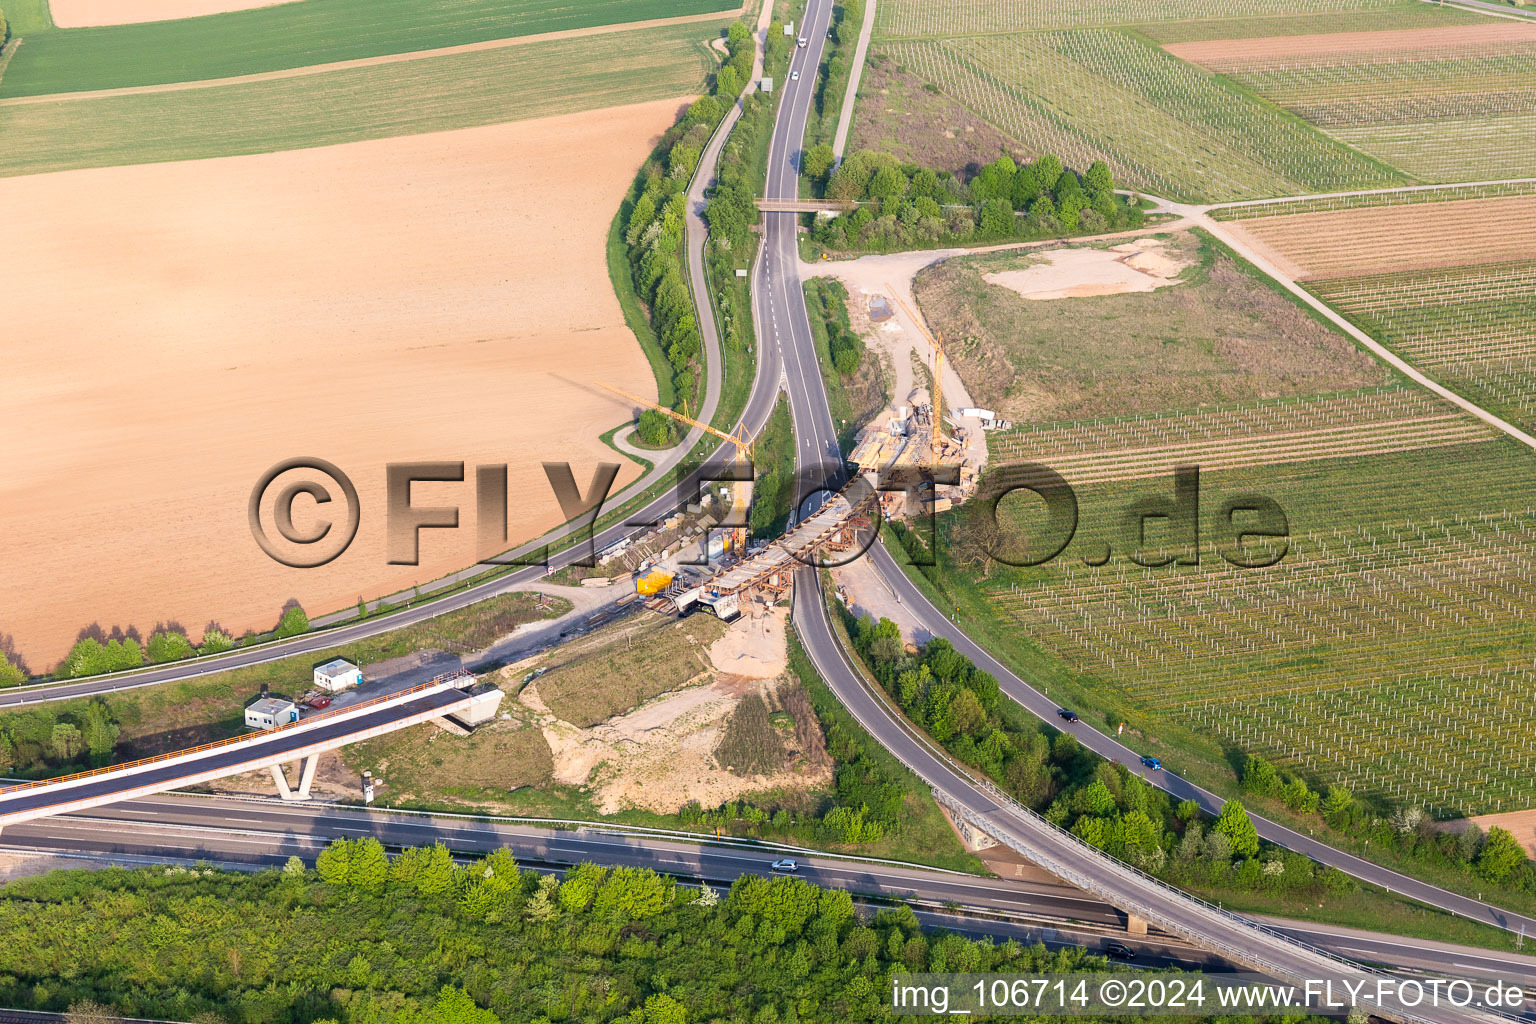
[{"x": 302, "y": 742}]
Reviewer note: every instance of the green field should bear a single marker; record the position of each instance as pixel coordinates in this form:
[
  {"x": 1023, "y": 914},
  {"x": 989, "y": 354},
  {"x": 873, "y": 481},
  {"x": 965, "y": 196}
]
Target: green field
[
  {"x": 1449, "y": 118},
  {"x": 1399, "y": 15},
  {"x": 402, "y": 98},
  {"x": 27, "y": 16},
  {"x": 1472, "y": 328},
  {"x": 1405, "y": 598},
  {"x": 297, "y": 35},
  {"x": 1161, "y": 124},
  {"x": 968, "y": 17}
]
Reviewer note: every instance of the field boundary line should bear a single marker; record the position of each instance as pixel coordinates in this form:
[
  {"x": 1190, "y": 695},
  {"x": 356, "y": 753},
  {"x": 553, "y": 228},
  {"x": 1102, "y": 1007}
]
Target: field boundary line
[
  {"x": 1383, "y": 353},
  {"x": 381, "y": 59}
]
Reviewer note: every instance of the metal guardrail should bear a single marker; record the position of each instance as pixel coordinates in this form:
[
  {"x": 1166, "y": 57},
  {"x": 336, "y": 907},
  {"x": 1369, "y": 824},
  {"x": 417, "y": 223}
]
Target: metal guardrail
[
  {"x": 1069, "y": 874},
  {"x": 434, "y": 683}
]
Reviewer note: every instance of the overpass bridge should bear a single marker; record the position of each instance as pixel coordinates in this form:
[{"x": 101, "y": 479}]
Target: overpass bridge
[{"x": 302, "y": 742}]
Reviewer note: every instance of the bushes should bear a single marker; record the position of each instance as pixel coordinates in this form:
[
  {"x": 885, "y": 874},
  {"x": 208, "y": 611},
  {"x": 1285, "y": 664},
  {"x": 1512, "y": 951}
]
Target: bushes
[
  {"x": 653, "y": 225},
  {"x": 907, "y": 204},
  {"x": 41, "y": 739}
]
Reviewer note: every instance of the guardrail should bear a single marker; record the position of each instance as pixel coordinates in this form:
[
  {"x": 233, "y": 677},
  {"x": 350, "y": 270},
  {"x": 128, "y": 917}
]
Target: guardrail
[
  {"x": 434, "y": 683},
  {"x": 1067, "y": 873}
]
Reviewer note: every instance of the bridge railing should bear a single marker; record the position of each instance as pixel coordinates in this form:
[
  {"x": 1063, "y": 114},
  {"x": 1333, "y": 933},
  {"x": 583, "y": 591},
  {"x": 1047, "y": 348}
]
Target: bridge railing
[
  {"x": 170, "y": 755},
  {"x": 1066, "y": 872}
]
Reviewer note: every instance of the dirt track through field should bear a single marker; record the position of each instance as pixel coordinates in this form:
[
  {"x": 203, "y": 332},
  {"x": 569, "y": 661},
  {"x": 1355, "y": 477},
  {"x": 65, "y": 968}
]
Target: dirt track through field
[
  {"x": 363, "y": 62},
  {"x": 1382, "y": 240},
  {"x": 1346, "y": 47},
  {"x": 172, "y": 330},
  {"x": 88, "y": 13}
]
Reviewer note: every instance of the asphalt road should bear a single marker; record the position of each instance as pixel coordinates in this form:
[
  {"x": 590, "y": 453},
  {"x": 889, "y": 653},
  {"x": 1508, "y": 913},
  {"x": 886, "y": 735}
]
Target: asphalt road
[
  {"x": 231, "y": 756},
  {"x": 784, "y": 319},
  {"x": 1181, "y": 789},
  {"x": 263, "y": 832}
]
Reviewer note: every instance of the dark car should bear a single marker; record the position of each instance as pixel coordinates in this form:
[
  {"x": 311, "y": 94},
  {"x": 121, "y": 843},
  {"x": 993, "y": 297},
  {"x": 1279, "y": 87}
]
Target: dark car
[
  {"x": 1153, "y": 763},
  {"x": 1119, "y": 951},
  {"x": 1069, "y": 716}
]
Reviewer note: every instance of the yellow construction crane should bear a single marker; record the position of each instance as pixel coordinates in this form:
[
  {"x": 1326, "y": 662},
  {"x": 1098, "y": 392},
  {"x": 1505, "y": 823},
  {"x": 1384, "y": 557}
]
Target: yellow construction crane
[
  {"x": 741, "y": 439},
  {"x": 938, "y": 374}
]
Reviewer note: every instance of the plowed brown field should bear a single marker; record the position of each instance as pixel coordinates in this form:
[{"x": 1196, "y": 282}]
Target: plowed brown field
[
  {"x": 1347, "y": 47},
  {"x": 83, "y": 13},
  {"x": 172, "y": 330},
  {"x": 1383, "y": 240}
]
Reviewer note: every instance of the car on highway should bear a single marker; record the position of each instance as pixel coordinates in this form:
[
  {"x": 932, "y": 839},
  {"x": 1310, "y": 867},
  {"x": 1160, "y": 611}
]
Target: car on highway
[
  {"x": 1153, "y": 763},
  {"x": 800, "y": 41},
  {"x": 785, "y": 866},
  {"x": 1066, "y": 715},
  {"x": 1119, "y": 951},
  {"x": 794, "y": 76}
]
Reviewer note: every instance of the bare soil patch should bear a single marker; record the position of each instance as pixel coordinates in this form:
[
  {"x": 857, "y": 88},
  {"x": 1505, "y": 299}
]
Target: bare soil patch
[
  {"x": 173, "y": 330},
  {"x": 86, "y": 13},
  {"x": 1390, "y": 239},
  {"x": 1139, "y": 266},
  {"x": 1335, "y": 47}
]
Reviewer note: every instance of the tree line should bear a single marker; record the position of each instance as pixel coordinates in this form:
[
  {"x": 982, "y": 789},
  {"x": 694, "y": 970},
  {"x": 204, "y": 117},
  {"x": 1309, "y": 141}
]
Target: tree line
[
  {"x": 1494, "y": 856},
  {"x": 906, "y": 204},
  {"x": 1103, "y": 803},
  {"x": 365, "y": 938},
  {"x": 653, "y": 221},
  {"x": 97, "y": 650}
]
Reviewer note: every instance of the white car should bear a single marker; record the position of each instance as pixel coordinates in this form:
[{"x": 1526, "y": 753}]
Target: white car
[
  {"x": 794, "y": 76},
  {"x": 800, "y": 41},
  {"x": 786, "y": 866}
]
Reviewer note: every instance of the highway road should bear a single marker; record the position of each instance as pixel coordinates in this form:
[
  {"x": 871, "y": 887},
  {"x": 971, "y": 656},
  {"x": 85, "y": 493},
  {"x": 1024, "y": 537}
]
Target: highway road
[
  {"x": 784, "y": 319},
  {"x": 759, "y": 406},
  {"x": 262, "y": 832}
]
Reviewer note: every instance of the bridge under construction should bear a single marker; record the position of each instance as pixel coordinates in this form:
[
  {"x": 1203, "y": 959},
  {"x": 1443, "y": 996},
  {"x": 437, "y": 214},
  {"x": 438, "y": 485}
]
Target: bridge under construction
[{"x": 455, "y": 695}]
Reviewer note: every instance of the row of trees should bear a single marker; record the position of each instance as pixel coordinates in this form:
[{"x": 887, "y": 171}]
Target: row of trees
[
  {"x": 97, "y": 651},
  {"x": 1103, "y": 803},
  {"x": 844, "y": 348},
  {"x": 654, "y": 220},
  {"x": 907, "y": 204},
  {"x": 1495, "y": 856},
  {"x": 366, "y": 939},
  {"x": 85, "y": 735}
]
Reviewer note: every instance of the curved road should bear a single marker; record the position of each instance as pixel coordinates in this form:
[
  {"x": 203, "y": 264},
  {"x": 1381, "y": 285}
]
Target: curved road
[
  {"x": 783, "y": 318},
  {"x": 759, "y": 406}
]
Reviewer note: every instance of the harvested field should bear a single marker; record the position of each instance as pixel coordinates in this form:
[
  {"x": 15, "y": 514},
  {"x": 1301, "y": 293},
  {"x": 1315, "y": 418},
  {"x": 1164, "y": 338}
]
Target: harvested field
[
  {"x": 85, "y": 13},
  {"x": 175, "y": 329},
  {"x": 1396, "y": 238},
  {"x": 1220, "y": 336},
  {"x": 1335, "y": 48}
]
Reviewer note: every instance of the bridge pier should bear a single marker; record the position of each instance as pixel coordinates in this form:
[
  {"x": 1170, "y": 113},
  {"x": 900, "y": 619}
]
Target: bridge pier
[
  {"x": 1135, "y": 925},
  {"x": 307, "y": 769}
]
